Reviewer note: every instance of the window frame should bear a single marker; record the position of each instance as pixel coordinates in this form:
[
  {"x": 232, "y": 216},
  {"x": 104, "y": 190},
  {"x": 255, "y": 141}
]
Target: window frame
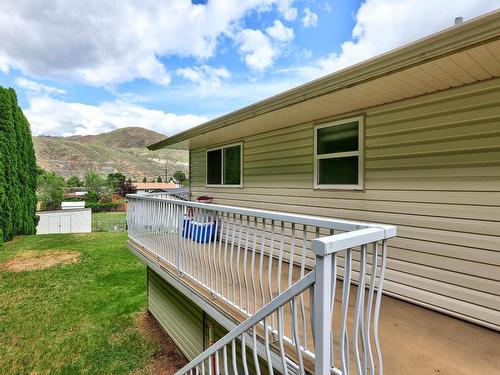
[
  {"x": 222, "y": 165},
  {"x": 359, "y": 154}
]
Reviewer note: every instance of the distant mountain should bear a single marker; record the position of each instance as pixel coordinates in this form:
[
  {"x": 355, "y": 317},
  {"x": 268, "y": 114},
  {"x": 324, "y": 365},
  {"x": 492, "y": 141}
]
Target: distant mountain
[
  {"x": 122, "y": 150},
  {"x": 121, "y": 138}
]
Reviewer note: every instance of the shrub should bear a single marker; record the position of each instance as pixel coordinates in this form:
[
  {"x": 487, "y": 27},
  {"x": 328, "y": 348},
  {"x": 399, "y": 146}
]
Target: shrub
[
  {"x": 73, "y": 181},
  {"x": 50, "y": 190},
  {"x": 105, "y": 207},
  {"x": 126, "y": 187}
]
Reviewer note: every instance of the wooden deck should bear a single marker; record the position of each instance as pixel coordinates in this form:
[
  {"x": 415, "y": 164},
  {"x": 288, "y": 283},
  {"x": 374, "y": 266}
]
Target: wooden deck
[{"x": 414, "y": 340}]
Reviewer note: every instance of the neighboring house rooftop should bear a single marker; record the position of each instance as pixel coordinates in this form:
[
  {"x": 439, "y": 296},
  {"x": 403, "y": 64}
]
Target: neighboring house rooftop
[
  {"x": 459, "y": 55},
  {"x": 154, "y": 185}
]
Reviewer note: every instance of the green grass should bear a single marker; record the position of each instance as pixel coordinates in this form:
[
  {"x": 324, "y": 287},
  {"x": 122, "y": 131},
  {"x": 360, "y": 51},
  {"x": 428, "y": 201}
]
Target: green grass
[
  {"x": 73, "y": 319},
  {"x": 107, "y": 221}
]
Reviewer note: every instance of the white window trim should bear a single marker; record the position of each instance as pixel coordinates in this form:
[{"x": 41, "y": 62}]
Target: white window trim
[
  {"x": 359, "y": 154},
  {"x": 222, "y": 165}
]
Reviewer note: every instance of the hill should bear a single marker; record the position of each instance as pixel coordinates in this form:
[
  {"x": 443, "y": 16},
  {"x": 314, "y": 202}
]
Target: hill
[
  {"x": 132, "y": 137},
  {"x": 122, "y": 150}
]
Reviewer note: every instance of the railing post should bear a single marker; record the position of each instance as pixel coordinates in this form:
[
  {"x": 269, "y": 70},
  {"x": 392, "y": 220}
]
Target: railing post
[{"x": 322, "y": 314}]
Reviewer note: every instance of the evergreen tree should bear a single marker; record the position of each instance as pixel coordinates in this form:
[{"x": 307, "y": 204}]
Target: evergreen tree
[
  {"x": 17, "y": 170},
  {"x": 159, "y": 179},
  {"x": 114, "y": 180},
  {"x": 181, "y": 178},
  {"x": 5, "y": 166}
]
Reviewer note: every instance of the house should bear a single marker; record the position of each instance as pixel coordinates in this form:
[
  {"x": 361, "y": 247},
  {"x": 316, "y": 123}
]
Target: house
[
  {"x": 73, "y": 192},
  {"x": 410, "y": 139},
  {"x": 154, "y": 187}
]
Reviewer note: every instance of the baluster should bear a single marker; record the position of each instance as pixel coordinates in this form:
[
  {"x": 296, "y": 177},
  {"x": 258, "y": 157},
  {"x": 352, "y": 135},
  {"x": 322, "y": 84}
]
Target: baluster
[
  {"x": 224, "y": 359},
  {"x": 270, "y": 270},
  {"x": 211, "y": 247},
  {"x": 205, "y": 238},
  {"x": 344, "y": 339},
  {"x": 252, "y": 266},
  {"x": 181, "y": 250},
  {"x": 238, "y": 266},
  {"x": 280, "y": 339},
  {"x": 369, "y": 306},
  {"x": 333, "y": 289},
  {"x": 290, "y": 267},
  {"x": 219, "y": 264},
  {"x": 296, "y": 337},
  {"x": 358, "y": 312},
  {"x": 226, "y": 273},
  {"x": 233, "y": 355},
  {"x": 231, "y": 260},
  {"x": 244, "y": 354},
  {"x": 302, "y": 273},
  {"x": 268, "y": 350},
  {"x": 254, "y": 350},
  {"x": 261, "y": 262},
  {"x": 377, "y": 307},
  {"x": 247, "y": 234}
]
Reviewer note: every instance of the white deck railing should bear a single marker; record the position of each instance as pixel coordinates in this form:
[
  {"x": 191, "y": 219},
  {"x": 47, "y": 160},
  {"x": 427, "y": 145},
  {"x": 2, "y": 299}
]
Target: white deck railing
[{"x": 282, "y": 271}]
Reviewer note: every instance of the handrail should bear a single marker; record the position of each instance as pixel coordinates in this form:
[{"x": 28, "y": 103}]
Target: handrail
[
  {"x": 338, "y": 242},
  {"x": 277, "y": 302},
  {"x": 318, "y": 221}
]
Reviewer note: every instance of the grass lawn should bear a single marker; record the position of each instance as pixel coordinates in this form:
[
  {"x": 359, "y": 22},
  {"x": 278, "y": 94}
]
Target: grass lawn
[
  {"x": 108, "y": 221},
  {"x": 78, "y": 318}
]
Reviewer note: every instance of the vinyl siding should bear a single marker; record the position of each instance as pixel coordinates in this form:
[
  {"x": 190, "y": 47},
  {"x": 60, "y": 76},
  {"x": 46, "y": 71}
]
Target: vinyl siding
[
  {"x": 432, "y": 168},
  {"x": 181, "y": 319}
]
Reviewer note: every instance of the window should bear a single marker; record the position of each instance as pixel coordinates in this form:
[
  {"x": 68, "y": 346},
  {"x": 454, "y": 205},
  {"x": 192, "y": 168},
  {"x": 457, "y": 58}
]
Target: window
[
  {"x": 338, "y": 154},
  {"x": 224, "y": 166}
]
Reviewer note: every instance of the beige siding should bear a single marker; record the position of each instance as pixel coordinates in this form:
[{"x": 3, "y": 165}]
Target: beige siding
[
  {"x": 432, "y": 167},
  {"x": 181, "y": 319}
]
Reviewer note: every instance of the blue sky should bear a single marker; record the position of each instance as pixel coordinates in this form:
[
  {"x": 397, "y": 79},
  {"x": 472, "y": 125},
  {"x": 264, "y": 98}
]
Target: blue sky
[{"x": 85, "y": 67}]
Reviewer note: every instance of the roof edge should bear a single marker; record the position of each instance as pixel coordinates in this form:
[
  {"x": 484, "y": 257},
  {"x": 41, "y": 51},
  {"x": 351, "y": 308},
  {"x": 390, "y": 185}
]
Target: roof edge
[{"x": 476, "y": 31}]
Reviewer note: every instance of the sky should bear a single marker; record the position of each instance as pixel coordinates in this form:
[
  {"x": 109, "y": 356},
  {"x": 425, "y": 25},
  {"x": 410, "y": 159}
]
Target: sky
[{"x": 87, "y": 67}]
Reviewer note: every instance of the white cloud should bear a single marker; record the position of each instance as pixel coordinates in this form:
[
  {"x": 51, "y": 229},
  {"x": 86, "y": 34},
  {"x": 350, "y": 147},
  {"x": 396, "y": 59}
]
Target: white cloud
[
  {"x": 38, "y": 87},
  {"x": 4, "y": 63},
  {"x": 232, "y": 96},
  {"x": 287, "y": 10},
  {"x": 257, "y": 49},
  {"x": 310, "y": 18},
  {"x": 260, "y": 50},
  {"x": 207, "y": 77},
  {"x": 104, "y": 42},
  {"x": 56, "y": 117},
  {"x": 382, "y": 25},
  {"x": 280, "y": 32}
]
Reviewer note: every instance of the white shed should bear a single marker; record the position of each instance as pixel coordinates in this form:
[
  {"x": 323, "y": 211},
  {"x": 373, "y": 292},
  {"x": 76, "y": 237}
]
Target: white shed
[{"x": 65, "y": 221}]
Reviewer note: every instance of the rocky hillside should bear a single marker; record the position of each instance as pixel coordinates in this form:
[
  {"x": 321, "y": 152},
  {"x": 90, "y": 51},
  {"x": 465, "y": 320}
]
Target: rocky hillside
[{"x": 122, "y": 150}]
